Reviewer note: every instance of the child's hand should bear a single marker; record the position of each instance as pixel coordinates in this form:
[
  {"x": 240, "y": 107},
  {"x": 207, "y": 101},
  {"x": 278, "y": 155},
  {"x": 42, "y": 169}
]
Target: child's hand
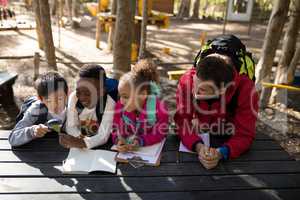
[
  {"x": 40, "y": 130},
  {"x": 209, "y": 157},
  {"x": 69, "y": 141},
  {"x": 134, "y": 146},
  {"x": 121, "y": 146}
]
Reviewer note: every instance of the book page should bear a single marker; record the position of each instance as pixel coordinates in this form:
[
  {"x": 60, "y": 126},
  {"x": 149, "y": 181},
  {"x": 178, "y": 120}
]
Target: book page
[
  {"x": 152, "y": 150},
  {"x": 150, "y": 154},
  {"x": 184, "y": 149},
  {"x": 104, "y": 161},
  {"x": 78, "y": 160}
]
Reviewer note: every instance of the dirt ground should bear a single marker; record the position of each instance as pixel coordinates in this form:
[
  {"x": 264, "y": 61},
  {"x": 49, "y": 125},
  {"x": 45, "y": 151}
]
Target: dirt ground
[{"x": 183, "y": 40}]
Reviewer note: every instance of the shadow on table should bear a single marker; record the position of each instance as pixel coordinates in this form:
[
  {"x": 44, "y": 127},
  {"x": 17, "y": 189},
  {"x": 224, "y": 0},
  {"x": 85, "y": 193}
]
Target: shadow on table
[{"x": 49, "y": 160}]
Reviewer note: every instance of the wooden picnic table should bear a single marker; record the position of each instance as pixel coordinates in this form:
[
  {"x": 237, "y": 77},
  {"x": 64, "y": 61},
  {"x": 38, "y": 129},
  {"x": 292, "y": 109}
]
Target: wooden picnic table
[
  {"x": 6, "y": 87},
  {"x": 31, "y": 172}
]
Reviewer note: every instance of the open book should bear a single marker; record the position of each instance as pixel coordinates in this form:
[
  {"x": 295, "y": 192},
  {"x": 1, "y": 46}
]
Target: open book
[
  {"x": 83, "y": 161},
  {"x": 149, "y": 155},
  {"x": 205, "y": 139}
]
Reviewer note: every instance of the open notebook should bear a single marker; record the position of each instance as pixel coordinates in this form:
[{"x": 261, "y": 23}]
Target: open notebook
[
  {"x": 205, "y": 139},
  {"x": 83, "y": 161},
  {"x": 149, "y": 155}
]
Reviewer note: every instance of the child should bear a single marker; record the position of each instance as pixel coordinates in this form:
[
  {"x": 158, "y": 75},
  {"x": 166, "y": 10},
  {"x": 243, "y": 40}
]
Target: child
[
  {"x": 52, "y": 90},
  {"x": 214, "y": 98},
  {"x": 140, "y": 119},
  {"x": 90, "y": 109}
]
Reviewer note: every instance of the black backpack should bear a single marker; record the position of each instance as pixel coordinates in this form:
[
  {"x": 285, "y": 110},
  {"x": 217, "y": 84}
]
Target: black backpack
[
  {"x": 231, "y": 46},
  {"x": 42, "y": 117}
]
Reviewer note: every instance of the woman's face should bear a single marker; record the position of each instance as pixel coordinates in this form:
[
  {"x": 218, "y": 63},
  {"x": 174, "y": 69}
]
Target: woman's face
[{"x": 88, "y": 92}]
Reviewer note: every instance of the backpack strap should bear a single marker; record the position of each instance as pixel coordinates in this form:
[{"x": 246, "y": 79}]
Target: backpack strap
[
  {"x": 100, "y": 108},
  {"x": 151, "y": 103}
]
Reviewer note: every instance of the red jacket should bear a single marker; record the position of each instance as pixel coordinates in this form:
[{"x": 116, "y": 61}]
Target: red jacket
[{"x": 242, "y": 117}]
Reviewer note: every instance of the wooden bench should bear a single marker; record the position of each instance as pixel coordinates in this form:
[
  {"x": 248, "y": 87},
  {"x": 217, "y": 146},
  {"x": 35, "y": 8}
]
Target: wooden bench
[
  {"x": 6, "y": 91},
  {"x": 175, "y": 75}
]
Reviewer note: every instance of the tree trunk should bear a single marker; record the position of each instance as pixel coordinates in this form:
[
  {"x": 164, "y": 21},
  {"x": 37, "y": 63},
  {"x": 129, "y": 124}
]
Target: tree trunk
[
  {"x": 75, "y": 21},
  {"x": 205, "y": 8},
  {"x": 196, "y": 8},
  {"x": 69, "y": 8},
  {"x": 293, "y": 66},
  {"x": 122, "y": 38},
  {"x": 47, "y": 34},
  {"x": 112, "y": 27},
  {"x": 184, "y": 9},
  {"x": 272, "y": 37},
  {"x": 288, "y": 50},
  {"x": 142, "y": 51},
  {"x": 54, "y": 7},
  {"x": 36, "y": 8}
]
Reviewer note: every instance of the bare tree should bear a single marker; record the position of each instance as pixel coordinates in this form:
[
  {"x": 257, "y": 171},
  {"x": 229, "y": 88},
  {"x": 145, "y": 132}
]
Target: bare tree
[
  {"x": 122, "y": 38},
  {"x": 142, "y": 50},
  {"x": 112, "y": 27},
  {"x": 204, "y": 9},
  {"x": 36, "y": 8},
  {"x": 288, "y": 50},
  {"x": 184, "y": 9},
  {"x": 196, "y": 8},
  {"x": 46, "y": 31},
  {"x": 272, "y": 37}
]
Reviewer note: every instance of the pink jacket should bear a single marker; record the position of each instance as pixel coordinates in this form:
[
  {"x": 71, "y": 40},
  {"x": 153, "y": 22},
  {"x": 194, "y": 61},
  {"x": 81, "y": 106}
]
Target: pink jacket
[{"x": 148, "y": 134}]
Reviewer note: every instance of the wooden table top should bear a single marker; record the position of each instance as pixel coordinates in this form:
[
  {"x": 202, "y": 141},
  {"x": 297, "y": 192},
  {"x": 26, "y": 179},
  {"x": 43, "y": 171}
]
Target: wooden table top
[{"x": 31, "y": 172}]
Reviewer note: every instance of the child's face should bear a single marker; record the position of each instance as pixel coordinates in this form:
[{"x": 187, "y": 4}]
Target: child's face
[
  {"x": 88, "y": 92},
  {"x": 56, "y": 101},
  {"x": 206, "y": 89},
  {"x": 130, "y": 98}
]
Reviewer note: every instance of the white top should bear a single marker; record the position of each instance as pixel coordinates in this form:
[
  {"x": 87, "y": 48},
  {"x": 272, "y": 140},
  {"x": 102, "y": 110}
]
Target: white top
[{"x": 86, "y": 122}]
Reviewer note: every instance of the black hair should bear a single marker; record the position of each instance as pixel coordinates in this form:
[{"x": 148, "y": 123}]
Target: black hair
[
  {"x": 50, "y": 82},
  {"x": 217, "y": 68},
  {"x": 92, "y": 71}
]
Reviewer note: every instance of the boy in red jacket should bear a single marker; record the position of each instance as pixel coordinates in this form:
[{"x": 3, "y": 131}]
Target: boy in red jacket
[{"x": 214, "y": 98}]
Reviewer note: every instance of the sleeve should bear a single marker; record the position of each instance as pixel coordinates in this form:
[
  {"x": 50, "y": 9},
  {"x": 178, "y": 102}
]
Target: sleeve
[
  {"x": 24, "y": 129},
  {"x": 72, "y": 125},
  {"x": 184, "y": 115},
  {"x": 161, "y": 127},
  {"x": 105, "y": 127},
  {"x": 244, "y": 121}
]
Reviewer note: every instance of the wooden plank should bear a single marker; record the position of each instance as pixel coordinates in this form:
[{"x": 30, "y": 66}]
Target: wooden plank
[
  {"x": 167, "y": 157},
  {"x": 36, "y": 157},
  {"x": 165, "y": 169},
  {"x": 283, "y": 194},
  {"x": 36, "y": 145},
  {"x": 171, "y": 145},
  {"x": 149, "y": 184},
  {"x": 249, "y": 156},
  {"x": 259, "y": 136}
]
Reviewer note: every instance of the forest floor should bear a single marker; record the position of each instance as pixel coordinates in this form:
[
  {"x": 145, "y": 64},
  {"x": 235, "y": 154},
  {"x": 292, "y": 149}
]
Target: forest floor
[{"x": 183, "y": 40}]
